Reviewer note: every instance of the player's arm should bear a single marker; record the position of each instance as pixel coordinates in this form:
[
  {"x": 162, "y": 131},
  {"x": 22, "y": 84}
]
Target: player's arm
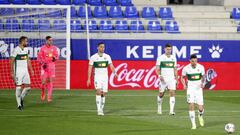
[
  {"x": 12, "y": 60},
  {"x": 89, "y": 75},
  {"x": 176, "y": 71},
  {"x": 183, "y": 81},
  {"x": 30, "y": 66},
  {"x": 203, "y": 78},
  {"x": 158, "y": 70},
  {"x": 113, "y": 69},
  {"x": 55, "y": 55}
]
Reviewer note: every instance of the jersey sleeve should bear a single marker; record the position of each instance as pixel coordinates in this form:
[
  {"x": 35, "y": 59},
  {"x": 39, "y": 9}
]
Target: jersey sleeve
[
  {"x": 91, "y": 61},
  {"x": 14, "y": 53},
  {"x": 109, "y": 60},
  {"x": 55, "y": 53},
  {"x": 158, "y": 61},
  {"x": 184, "y": 72}
]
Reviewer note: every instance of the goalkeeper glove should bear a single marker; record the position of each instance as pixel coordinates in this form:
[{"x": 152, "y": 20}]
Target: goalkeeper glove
[
  {"x": 44, "y": 66},
  {"x": 53, "y": 59}
]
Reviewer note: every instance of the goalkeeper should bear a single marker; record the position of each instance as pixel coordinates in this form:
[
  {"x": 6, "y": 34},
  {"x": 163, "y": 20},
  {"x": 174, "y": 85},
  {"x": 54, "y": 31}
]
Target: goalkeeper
[{"x": 47, "y": 57}]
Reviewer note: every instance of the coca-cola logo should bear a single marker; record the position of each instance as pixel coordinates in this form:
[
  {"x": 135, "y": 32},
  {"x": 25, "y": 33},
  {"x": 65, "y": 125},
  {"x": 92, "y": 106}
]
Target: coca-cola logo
[{"x": 135, "y": 78}]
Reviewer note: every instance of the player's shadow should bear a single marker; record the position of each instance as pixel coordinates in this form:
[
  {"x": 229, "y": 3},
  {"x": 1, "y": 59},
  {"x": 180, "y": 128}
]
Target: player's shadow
[{"x": 214, "y": 123}]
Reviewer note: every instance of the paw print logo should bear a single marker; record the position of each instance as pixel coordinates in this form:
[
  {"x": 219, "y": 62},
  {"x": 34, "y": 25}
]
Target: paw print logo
[
  {"x": 3, "y": 48},
  {"x": 215, "y": 51}
]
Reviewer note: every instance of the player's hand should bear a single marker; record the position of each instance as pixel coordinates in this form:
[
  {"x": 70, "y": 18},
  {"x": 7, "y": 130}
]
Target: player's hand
[
  {"x": 161, "y": 78},
  {"x": 116, "y": 75},
  {"x": 53, "y": 59},
  {"x": 44, "y": 66},
  {"x": 177, "y": 83},
  {"x": 88, "y": 82},
  {"x": 32, "y": 72},
  {"x": 202, "y": 85},
  {"x": 12, "y": 76},
  {"x": 184, "y": 86}
]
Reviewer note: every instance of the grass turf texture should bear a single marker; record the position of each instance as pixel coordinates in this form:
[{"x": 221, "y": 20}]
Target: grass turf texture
[{"x": 126, "y": 113}]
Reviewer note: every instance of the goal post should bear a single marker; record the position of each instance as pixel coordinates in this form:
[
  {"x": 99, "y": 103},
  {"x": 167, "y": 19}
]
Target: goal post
[{"x": 36, "y": 22}]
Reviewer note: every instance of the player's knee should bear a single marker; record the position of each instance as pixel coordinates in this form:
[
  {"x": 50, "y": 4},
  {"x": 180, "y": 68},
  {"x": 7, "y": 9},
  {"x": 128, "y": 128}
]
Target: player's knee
[
  {"x": 98, "y": 92},
  {"x": 172, "y": 93},
  {"x": 161, "y": 94},
  {"x": 103, "y": 94}
]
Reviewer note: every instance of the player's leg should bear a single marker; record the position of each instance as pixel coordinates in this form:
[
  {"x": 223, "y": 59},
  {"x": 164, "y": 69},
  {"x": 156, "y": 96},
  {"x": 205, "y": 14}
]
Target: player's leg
[
  {"x": 50, "y": 89},
  {"x": 44, "y": 84},
  {"x": 98, "y": 88},
  {"x": 172, "y": 88},
  {"x": 104, "y": 92},
  {"x": 190, "y": 100},
  {"x": 199, "y": 100},
  {"x": 26, "y": 89},
  {"x": 162, "y": 87}
]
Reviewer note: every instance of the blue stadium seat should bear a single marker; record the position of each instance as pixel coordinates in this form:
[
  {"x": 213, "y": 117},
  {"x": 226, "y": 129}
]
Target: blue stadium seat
[
  {"x": 110, "y": 2},
  {"x": 92, "y": 25},
  {"x": 76, "y": 26},
  {"x": 64, "y": 2},
  {"x": 55, "y": 13},
  {"x": 49, "y": 2},
  {"x": 100, "y": 12},
  {"x": 41, "y": 13},
  {"x": 82, "y": 12},
  {"x": 95, "y": 2},
  {"x": 18, "y": 2},
  {"x": 28, "y": 25},
  {"x": 165, "y": 13},
  {"x": 154, "y": 27},
  {"x": 121, "y": 26},
  {"x": 125, "y": 2},
  {"x": 236, "y": 13},
  {"x": 131, "y": 12},
  {"x": 238, "y": 29},
  {"x": 4, "y": 2},
  {"x": 44, "y": 25},
  {"x": 23, "y": 12},
  {"x": 1, "y": 26},
  {"x": 172, "y": 27},
  {"x": 148, "y": 12},
  {"x": 106, "y": 26},
  {"x": 73, "y": 12},
  {"x": 6, "y": 11},
  {"x": 136, "y": 26},
  {"x": 34, "y": 2},
  {"x": 115, "y": 12},
  {"x": 59, "y": 25},
  {"x": 12, "y": 25},
  {"x": 78, "y": 2}
]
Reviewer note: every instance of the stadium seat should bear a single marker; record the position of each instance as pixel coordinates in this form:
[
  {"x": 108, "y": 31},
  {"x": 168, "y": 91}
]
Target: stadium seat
[
  {"x": 34, "y": 2},
  {"x": 28, "y": 25},
  {"x": 78, "y": 2},
  {"x": 41, "y": 13},
  {"x": 125, "y": 2},
  {"x": 82, "y": 12},
  {"x": 110, "y": 2},
  {"x": 73, "y": 12},
  {"x": 6, "y": 11},
  {"x": 55, "y": 13},
  {"x": 12, "y": 25},
  {"x": 121, "y": 26},
  {"x": 44, "y": 25},
  {"x": 165, "y": 13},
  {"x": 100, "y": 12},
  {"x": 238, "y": 29},
  {"x": 92, "y": 25},
  {"x": 148, "y": 12},
  {"x": 18, "y": 2},
  {"x": 49, "y": 2},
  {"x": 64, "y": 2},
  {"x": 95, "y": 2},
  {"x": 59, "y": 25},
  {"x": 136, "y": 26},
  {"x": 131, "y": 12},
  {"x": 154, "y": 27},
  {"x": 171, "y": 27},
  {"x": 76, "y": 26},
  {"x": 22, "y": 12},
  {"x": 1, "y": 26},
  {"x": 236, "y": 13},
  {"x": 106, "y": 26},
  {"x": 4, "y": 2},
  {"x": 115, "y": 12}
]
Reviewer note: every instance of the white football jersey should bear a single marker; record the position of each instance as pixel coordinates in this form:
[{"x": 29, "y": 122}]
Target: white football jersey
[
  {"x": 194, "y": 75},
  {"x": 21, "y": 58},
  {"x": 167, "y": 65},
  {"x": 100, "y": 64}
]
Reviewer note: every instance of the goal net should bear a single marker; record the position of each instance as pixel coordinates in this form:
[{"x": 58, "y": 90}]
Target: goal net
[{"x": 35, "y": 22}]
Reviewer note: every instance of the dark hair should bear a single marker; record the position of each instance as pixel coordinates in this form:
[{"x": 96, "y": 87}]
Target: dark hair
[
  {"x": 48, "y": 37},
  {"x": 168, "y": 45},
  {"x": 100, "y": 43},
  {"x": 193, "y": 56},
  {"x": 22, "y": 38}
]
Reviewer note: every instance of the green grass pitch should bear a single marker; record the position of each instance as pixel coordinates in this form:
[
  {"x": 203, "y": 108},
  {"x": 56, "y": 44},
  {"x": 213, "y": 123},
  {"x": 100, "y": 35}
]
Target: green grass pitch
[{"x": 126, "y": 113}]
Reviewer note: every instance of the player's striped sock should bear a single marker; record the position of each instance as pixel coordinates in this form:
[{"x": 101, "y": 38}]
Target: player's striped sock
[
  {"x": 18, "y": 95},
  {"x": 25, "y": 92},
  {"x": 172, "y": 104},
  {"x": 192, "y": 117},
  {"x": 98, "y": 102}
]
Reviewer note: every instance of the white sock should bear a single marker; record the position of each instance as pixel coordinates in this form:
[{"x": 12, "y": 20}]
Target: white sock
[
  {"x": 98, "y": 102},
  {"x": 159, "y": 102},
  {"x": 103, "y": 102},
  {"x": 201, "y": 113},
  {"x": 25, "y": 92},
  {"x": 172, "y": 103},
  {"x": 192, "y": 117},
  {"x": 18, "y": 95}
]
